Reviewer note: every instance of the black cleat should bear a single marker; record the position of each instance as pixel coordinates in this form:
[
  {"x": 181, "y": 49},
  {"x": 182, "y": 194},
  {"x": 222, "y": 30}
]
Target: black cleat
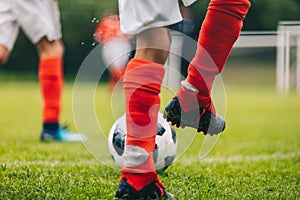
[
  {"x": 154, "y": 190},
  {"x": 201, "y": 119}
]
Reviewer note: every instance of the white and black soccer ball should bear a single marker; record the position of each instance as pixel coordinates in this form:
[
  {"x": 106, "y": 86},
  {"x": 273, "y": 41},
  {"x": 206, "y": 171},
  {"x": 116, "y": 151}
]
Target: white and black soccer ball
[{"x": 165, "y": 144}]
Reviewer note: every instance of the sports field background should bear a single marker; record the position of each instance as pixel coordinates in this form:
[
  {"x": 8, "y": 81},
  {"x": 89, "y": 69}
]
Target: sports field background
[{"x": 257, "y": 157}]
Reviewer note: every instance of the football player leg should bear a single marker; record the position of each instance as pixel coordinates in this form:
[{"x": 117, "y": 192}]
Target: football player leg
[
  {"x": 51, "y": 83},
  {"x": 50, "y": 75},
  {"x": 192, "y": 106},
  {"x": 142, "y": 82},
  {"x": 42, "y": 26}
]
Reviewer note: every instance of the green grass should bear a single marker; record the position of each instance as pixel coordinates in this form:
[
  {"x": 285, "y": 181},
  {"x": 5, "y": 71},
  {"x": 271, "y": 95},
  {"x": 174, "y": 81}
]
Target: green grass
[{"x": 257, "y": 157}]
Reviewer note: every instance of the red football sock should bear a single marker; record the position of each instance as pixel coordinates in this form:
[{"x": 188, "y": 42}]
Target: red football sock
[
  {"x": 51, "y": 83},
  {"x": 142, "y": 82},
  {"x": 220, "y": 29}
]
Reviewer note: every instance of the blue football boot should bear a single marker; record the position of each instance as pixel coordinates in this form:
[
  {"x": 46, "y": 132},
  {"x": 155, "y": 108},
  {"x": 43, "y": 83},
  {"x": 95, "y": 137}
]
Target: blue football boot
[{"x": 61, "y": 135}]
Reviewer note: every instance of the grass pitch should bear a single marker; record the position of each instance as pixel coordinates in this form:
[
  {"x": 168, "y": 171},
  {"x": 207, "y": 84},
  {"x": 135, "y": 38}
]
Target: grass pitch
[{"x": 257, "y": 157}]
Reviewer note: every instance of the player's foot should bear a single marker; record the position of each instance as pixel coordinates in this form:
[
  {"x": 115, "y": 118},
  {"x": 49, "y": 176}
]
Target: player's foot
[
  {"x": 61, "y": 135},
  {"x": 201, "y": 119},
  {"x": 154, "y": 190}
]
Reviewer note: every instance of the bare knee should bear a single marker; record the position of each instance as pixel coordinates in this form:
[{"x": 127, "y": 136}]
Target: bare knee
[
  {"x": 50, "y": 49},
  {"x": 4, "y": 54},
  {"x": 153, "y": 45}
]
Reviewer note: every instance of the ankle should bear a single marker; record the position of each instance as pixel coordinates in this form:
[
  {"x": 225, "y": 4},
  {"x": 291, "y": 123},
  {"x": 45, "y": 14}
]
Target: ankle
[{"x": 51, "y": 126}]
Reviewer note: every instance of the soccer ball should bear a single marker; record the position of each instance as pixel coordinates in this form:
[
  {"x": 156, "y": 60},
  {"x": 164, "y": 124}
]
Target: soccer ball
[{"x": 165, "y": 143}]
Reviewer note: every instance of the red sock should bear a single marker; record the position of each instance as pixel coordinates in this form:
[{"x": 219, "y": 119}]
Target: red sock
[
  {"x": 220, "y": 29},
  {"x": 142, "y": 82},
  {"x": 51, "y": 83}
]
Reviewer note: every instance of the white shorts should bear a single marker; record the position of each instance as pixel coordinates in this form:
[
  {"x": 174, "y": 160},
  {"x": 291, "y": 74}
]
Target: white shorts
[
  {"x": 37, "y": 18},
  {"x": 139, "y": 15}
]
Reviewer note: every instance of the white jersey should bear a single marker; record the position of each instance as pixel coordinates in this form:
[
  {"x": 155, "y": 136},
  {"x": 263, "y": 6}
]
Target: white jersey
[
  {"x": 37, "y": 18},
  {"x": 139, "y": 15}
]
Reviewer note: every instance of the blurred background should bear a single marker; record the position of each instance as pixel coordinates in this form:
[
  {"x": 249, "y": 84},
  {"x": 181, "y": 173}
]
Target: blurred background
[{"x": 80, "y": 18}]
